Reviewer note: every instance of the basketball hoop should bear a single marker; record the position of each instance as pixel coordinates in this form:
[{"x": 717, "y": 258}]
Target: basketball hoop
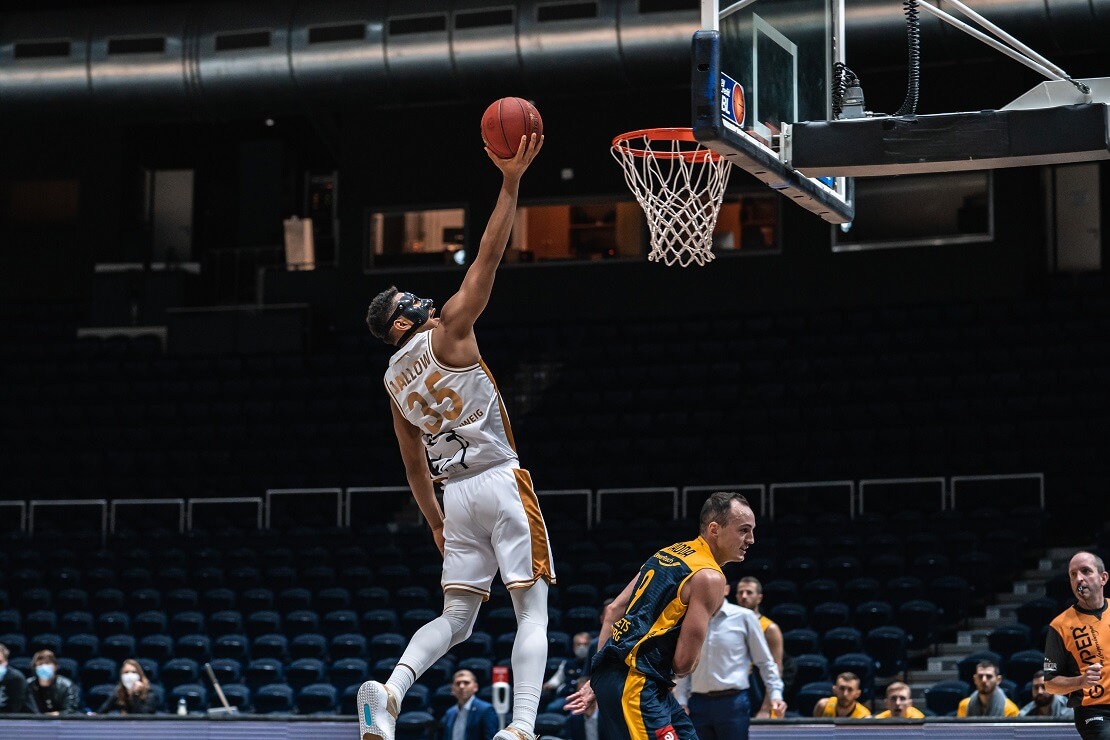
[{"x": 679, "y": 183}]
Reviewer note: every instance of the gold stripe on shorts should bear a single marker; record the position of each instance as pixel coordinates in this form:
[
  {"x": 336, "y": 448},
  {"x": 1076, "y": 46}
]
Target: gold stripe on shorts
[
  {"x": 634, "y": 685},
  {"x": 541, "y": 563}
]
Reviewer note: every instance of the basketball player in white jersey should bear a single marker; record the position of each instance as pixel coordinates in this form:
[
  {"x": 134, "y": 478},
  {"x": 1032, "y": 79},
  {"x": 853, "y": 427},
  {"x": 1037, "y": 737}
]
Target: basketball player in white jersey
[{"x": 452, "y": 427}]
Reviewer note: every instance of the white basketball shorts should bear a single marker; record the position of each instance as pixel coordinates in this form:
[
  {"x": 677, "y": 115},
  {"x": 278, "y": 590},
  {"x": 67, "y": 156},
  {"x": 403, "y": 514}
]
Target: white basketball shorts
[{"x": 492, "y": 520}]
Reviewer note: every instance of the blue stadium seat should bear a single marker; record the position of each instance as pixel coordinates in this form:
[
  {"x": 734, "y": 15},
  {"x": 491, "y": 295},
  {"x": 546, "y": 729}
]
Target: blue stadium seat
[
  {"x": 1021, "y": 666},
  {"x": 68, "y": 600},
  {"x": 149, "y": 622},
  {"x": 382, "y": 669},
  {"x": 503, "y": 646},
  {"x": 178, "y": 671},
  {"x": 355, "y": 577},
  {"x": 801, "y": 642},
  {"x": 887, "y": 645},
  {"x": 99, "y": 670},
  {"x": 386, "y": 645},
  {"x": 370, "y": 598},
  {"x": 1034, "y": 614},
  {"x": 276, "y": 698},
  {"x": 96, "y": 696},
  {"x": 294, "y": 599},
  {"x": 340, "y": 622},
  {"x": 227, "y": 670},
  {"x": 412, "y": 597},
  {"x": 417, "y": 699},
  {"x": 558, "y": 644},
  {"x": 262, "y": 672},
  {"x": 811, "y": 668},
  {"x": 841, "y": 640},
  {"x": 551, "y": 723},
  {"x": 438, "y": 673},
  {"x": 107, "y": 600},
  {"x": 952, "y": 595},
  {"x": 442, "y": 700},
  {"x": 68, "y": 667},
  {"x": 860, "y": 590},
  {"x": 333, "y": 599},
  {"x": 195, "y": 647},
  {"x": 156, "y": 647},
  {"x": 217, "y": 600},
  {"x": 232, "y": 647},
  {"x": 1009, "y": 639},
  {"x": 45, "y": 641},
  {"x": 226, "y": 622},
  {"x": 378, "y": 621},
  {"x": 414, "y": 619},
  {"x": 244, "y": 577},
  {"x": 350, "y": 645},
  {"x": 36, "y": 599},
  {"x": 182, "y": 600},
  {"x": 301, "y": 622},
  {"x": 829, "y": 615},
  {"x": 394, "y": 576},
  {"x": 872, "y": 614},
  {"x": 39, "y": 622},
  {"x": 348, "y": 672},
  {"x": 503, "y": 619},
  {"x": 150, "y": 668},
  {"x": 256, "y": 600},
  {"x": 581, "y": 619},
  {"x": 75, "y": 623},
  {"x": 274, "y": 646},
  {"x": 478, "y": 645},
  {"x": 579, "y": 594},
  {"x": 820, "y": 591},
  {"x": 79, "y": 647},
  {"x": 790, "y": 616},
  {"x": 305, "y": 671},
  {"x": 317, "y": 698},
  {"x": 118, "y": 647},
  {"x": 10, "y": 621},
  {"x": 919, "y": 619},
  {"x": 903, "y": 589},
  {"x": 187, "y": 623},
  {"x": 808, "y": 696},
  {"x": 263, "y": 622},
  {"x": 415, "y": 726},
  {"x": 944, "y": 697},
  {"x": 237, "y": 695},
  {"x": 311, "y": 645}
]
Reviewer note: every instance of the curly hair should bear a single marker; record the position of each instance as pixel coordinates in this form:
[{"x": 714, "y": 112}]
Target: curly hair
[{"x": 381, "y": 308}]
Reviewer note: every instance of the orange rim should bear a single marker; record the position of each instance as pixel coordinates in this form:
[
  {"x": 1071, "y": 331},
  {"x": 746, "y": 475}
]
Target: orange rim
[{"x": 623, "y": 143}]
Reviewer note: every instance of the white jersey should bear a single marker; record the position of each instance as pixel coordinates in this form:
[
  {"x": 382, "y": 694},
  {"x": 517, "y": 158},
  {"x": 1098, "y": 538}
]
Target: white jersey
[{"x": 459, "y": 410}]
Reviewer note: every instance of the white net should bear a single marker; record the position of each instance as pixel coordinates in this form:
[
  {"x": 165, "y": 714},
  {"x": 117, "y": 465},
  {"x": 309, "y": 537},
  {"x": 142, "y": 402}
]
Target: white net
[{"x": 679, "y": 184}]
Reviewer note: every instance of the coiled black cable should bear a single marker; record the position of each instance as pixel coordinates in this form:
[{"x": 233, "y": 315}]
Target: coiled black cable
[
  {"x": 843, "y": 78},
  {"x": 913, "y": 38}
]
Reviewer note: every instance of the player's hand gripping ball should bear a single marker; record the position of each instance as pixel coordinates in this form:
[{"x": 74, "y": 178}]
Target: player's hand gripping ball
[{"x": 505, "y": 121}]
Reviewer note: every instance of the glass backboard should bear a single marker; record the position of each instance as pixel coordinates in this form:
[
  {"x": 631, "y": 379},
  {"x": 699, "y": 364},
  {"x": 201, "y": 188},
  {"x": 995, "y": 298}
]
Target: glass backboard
[{"x": 759, "y": 66}]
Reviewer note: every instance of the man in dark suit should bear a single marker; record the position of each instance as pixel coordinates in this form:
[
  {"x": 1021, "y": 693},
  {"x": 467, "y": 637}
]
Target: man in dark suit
[{"x": 478, "y": 721}]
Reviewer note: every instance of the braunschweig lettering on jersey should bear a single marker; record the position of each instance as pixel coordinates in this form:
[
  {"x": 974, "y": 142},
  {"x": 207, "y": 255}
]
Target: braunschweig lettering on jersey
[
  {"x": 646, "y": 636},
  {"x": 459, "y": 410}
]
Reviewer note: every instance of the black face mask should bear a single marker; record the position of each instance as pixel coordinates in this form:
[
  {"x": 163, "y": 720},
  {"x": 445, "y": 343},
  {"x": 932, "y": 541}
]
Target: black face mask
[{"x": 416, "y": 310}]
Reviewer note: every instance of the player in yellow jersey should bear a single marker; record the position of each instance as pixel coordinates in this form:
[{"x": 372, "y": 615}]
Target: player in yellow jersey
[
  {"x": 899, "y": 703},
  {"x": 451, "y": 426},
  {"x": 845, "y": 699},
  {"x": 653, "y": 631}
]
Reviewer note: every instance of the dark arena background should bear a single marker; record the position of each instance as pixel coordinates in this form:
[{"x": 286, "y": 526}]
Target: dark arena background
[{"x": 198, "y": 458}]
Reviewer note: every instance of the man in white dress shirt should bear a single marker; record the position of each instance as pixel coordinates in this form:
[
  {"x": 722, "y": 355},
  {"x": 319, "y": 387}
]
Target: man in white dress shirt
[{"x": 716, "y": 693}]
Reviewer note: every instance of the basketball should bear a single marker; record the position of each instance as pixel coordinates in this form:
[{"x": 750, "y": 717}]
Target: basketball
[{"x": 505, "y": 121}]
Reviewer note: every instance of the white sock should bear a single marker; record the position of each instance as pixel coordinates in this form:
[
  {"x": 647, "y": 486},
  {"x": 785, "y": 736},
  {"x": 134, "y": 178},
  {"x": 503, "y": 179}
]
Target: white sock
[
  {"x": 529, "y": 653},
  {"x": 432, "y": 641}
]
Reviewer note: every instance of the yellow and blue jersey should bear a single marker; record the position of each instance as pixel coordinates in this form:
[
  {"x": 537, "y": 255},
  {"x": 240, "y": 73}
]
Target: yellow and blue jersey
[{"x": 646, "y": 636}]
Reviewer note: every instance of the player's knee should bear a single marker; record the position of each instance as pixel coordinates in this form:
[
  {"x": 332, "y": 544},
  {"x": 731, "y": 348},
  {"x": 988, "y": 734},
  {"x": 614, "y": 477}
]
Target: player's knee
[
  {"x": 530, "y": 604},
  {"x": 461, "y": 613}
]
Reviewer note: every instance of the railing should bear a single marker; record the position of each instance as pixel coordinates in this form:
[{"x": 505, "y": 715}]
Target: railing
[{"x": 849, "y": 494}]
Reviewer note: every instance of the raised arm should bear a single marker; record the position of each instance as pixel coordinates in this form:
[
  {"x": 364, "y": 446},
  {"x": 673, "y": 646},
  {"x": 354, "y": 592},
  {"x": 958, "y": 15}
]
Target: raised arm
[
  {"x": 417, "y": 474},
  {"x": 463, "y": 309},
  {"x": 703, "y": 599}
]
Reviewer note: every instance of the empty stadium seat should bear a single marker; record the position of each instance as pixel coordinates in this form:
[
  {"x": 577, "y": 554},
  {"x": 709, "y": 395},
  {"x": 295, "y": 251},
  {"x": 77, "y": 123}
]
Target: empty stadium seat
[
  {"x": 800, "y": 642},
  {"x": 118, "y": 647},
  {"x": 227, "y": 670},
  {"x": 275, "y": 698},
  {"x": 233, "y": 647},
  {"x": 841, "y": 640},
  {"x": 415, "y": 725},
  {"x": 1009, "y": 639},
  {"x": 178, "y": 671},
  {"x": 274, "y": 646},
  {"x": 887, "y": 646},
  {"x": 263, "y": 672},
  {"x": 944, "y": 697},
  {"x": 808, "y": 696}
]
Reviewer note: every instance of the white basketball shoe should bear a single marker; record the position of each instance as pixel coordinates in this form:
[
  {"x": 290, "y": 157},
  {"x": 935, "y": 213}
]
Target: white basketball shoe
[{"x": 377, "y": 712}]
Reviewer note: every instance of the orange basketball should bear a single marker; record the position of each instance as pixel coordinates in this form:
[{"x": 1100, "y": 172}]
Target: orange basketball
[
  {"x": 738, "y": 104},
  {"x": 505, "y": 121}
]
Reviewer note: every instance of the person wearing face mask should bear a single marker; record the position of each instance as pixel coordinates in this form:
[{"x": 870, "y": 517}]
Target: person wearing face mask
[
  {"x": 13, "y": 686},
  {"x": 563, "y": 681},
  {"x": 132, "y": 695},
  {"x": 48, "y": 692}
]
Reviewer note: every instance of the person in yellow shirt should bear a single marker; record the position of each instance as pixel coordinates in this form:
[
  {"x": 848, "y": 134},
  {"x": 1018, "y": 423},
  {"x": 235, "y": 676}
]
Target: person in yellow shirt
[
  {"x": 899, "y": 703},
  {"x": 845, "y": 699},
  {"x": 987, "y": 700}
]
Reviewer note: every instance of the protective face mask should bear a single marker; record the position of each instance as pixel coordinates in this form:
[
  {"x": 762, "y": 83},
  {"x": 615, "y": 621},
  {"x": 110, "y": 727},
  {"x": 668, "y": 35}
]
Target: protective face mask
[
  {"x": 129, "y": 680},
  {"x": 45, "y": 672},
  {"x": 3, "y": 671},
  {"x": 581, "y": 651}
]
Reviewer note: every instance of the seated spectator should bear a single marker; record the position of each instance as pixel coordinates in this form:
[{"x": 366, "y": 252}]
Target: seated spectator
[
  {"x": 844, "y": 702},
  {"x": 133, "y": 695},
  {"x": 475, "y": 718},
  {"x": 1045, "y": 704},
  {"x": 987, "y": 700},
  {"x": 899, "y": 703},
  {"x": 13, "y": 686},
  {"x": 49, "y": 693},
  {"x": 563, "y": 680}
]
